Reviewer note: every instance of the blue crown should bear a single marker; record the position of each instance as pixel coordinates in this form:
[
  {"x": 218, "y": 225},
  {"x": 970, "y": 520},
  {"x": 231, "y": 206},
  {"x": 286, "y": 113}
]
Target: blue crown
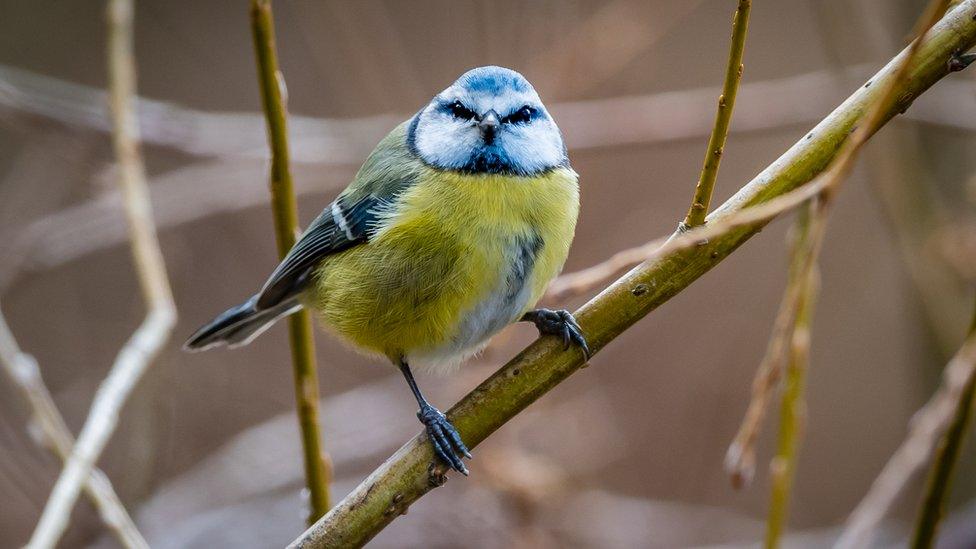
[{"x": 493, "y": 80}]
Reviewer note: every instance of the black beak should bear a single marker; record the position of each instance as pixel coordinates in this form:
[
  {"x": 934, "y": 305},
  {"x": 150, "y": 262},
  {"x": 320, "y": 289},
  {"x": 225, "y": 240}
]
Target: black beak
[{"x": 489, "y": 125}]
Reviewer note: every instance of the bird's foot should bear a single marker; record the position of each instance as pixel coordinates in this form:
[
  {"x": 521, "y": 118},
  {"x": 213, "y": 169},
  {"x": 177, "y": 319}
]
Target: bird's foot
[
  {"x": 559, "y": 323},
  {"x": 447, "y": 443}
]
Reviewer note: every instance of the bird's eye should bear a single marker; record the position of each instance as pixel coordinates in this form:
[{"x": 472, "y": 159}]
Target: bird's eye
[
  {"x": 459, "y": 111},
  {"x": 521, "y": 116}
]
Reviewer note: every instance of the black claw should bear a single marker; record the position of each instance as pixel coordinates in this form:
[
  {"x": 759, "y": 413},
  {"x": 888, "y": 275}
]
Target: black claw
[
  {"x": 572, "y": 320},
  {"x": 458, "y": 443},
  {"x": 435, "y": 441},
  {"x": 445, "y": 439},
  {"x": 559, "y": 323},
  {"x": 446, "y": 452}
]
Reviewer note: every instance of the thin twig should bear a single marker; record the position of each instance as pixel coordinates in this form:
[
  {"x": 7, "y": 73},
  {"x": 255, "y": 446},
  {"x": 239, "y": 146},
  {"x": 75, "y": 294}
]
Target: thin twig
[
  {"x": 410, "y": 472},
  {"x": 927, "y": 427},
  {"x": 793, "y": 407},
  {"x": 144, "y": 344},
  {"x": 591, "y": 277},
  {"x": 723, "y": 118},
  {"x": 946, "y": 458},
  {"x": 23, "y": 370},
  {"x": 740, "y": 460},
  {"x": 930, "y": 422},
  {"x": 286, "y": 224},
  {"x": 584, "y": 280}
]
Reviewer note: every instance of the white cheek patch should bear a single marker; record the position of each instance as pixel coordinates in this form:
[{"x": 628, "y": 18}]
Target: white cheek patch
[
  {"x": 444, "y": 141},
  {"x": 535, "y": 146}
]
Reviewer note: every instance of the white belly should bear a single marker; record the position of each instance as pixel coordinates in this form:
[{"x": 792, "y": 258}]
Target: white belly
[{"x": 503, "y": 305}]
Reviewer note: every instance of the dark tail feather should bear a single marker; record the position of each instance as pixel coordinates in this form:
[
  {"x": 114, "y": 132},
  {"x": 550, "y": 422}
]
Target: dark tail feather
[{"x": 239, "y": 325}]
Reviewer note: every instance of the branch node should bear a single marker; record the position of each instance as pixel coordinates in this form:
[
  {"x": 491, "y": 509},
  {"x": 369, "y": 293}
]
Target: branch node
[{"x": 959, "y": 61}]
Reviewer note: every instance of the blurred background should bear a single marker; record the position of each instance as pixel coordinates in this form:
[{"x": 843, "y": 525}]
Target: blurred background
[{"x": 627, "y": 453}]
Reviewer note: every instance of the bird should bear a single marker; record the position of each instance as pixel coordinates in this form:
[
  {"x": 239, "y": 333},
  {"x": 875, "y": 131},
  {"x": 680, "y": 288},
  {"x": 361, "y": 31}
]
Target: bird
[{"x": 450, "y": 231}]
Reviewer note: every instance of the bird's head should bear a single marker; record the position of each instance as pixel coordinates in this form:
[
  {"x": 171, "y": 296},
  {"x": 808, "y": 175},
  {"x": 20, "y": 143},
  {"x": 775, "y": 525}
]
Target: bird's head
[{"x": 490, "y": 120}]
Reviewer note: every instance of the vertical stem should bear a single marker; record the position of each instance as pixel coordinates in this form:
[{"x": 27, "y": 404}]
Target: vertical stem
[
  {"x": 740, "y": 456},
  {"x": 148, "y": 339},
  {"x": 723, "y": 117},
  {"x": 793, "y": 407},
  {"x": 946, "y": 458},
  {"x": 273, "y": 95}
]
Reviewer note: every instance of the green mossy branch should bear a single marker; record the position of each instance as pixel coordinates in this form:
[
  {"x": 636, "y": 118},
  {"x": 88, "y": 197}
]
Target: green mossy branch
[
  {"x": 792, "y": 417},
  {"x": 409, "y": 474},
  {"x": 286, "y": 226}
]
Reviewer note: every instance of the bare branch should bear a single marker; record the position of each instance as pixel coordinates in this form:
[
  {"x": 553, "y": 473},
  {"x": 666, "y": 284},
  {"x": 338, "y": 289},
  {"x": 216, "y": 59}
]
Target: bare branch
[
  {"x": 411, "y": 472},
  {"x": 26, "y": 375},
  {"x": 587, "y": 279},
  {"x": 823, "y": 185},
  {"x": 946, "y": 459},
  {"x": 740, "y": 460},
  {"x": 723, "y": 118},
  {"x": 145, "y": 343},
  {"x": 927, "y": 427}
]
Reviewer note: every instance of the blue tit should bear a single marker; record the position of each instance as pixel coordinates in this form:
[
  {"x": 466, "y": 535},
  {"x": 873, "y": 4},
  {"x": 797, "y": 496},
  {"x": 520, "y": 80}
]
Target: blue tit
[{"x": 450, "y": 231}]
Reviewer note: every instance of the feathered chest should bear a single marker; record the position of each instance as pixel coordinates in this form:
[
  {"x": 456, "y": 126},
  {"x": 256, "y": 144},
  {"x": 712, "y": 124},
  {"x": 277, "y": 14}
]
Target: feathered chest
[
  {"x": 487, "y": 209},
  {"x": 451, "y": 260}
]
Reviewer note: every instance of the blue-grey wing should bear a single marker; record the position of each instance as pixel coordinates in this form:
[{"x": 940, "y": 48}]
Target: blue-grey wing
[{"x": 342, "y": 225}]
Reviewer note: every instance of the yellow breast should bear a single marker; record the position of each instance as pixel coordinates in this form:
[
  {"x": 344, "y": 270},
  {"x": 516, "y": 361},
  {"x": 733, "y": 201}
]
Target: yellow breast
[{"x": 444, "y": 267}]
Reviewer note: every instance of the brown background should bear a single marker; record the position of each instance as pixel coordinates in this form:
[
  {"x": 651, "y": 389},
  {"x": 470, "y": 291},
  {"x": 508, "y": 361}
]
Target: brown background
[{"x": 627, "y": 451}]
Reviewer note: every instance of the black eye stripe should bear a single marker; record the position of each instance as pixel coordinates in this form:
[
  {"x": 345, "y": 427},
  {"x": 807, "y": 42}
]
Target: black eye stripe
[
  {"x": 459, "y": 111},
  {"x": 522, "y": 116}
]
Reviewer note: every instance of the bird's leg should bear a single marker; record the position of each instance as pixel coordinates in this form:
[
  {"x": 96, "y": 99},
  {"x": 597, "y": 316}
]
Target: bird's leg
[
  {"x": 558, "y": 323},
  {"x": 447, "y": 443}
]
